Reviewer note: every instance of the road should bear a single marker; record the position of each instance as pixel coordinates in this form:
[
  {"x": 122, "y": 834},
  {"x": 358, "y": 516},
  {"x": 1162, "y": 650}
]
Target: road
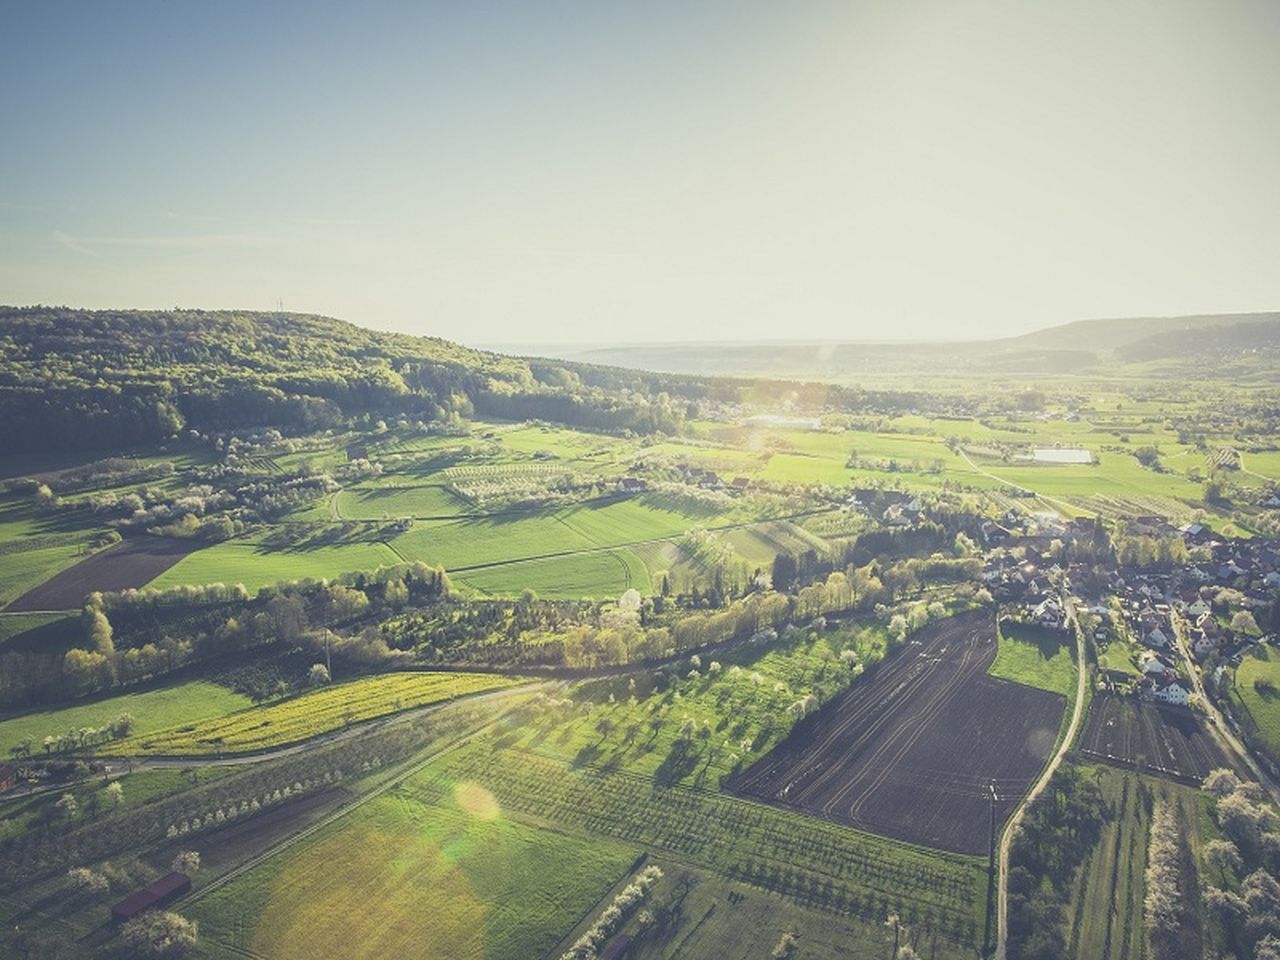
[
  {"x": 1218, "y": 725},
  {"x": 1006, "y": 840}
]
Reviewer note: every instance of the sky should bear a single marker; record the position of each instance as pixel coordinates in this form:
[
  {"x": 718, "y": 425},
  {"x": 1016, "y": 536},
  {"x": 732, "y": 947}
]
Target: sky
[{"x": 560, "y": 172}]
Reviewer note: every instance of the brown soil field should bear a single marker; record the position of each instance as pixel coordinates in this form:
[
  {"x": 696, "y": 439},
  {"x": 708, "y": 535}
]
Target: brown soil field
[
  {"x": 130, "y": 563},
  {"x": 1160, "y": 739},
  {"x": 915, "y": 749}
]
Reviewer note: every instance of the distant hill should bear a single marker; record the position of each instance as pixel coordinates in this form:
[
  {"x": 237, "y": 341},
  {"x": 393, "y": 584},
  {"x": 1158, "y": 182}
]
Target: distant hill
[{"x": 1084, "y": 346}]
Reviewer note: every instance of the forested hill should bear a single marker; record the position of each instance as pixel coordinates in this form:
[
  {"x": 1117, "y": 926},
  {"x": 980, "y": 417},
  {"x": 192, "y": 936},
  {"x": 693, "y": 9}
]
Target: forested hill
[{"x": 103, "y": 378}]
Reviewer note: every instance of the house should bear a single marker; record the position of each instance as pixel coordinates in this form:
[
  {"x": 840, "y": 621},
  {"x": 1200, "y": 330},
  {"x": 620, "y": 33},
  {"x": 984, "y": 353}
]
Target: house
[
  {"x": 1152, "y": 664},
  {"x": 1048, "y": 613},
  {"x": 1166, "y": 690},
  {"x": 632, "y": 485},
  {"x": 8, "y": 777},
  {"x": 1198, "y": 609},
  {"x": 741, "y": 483},
  {"x": 159, "y": 894},
  {"x": 1156, "y": 638}
]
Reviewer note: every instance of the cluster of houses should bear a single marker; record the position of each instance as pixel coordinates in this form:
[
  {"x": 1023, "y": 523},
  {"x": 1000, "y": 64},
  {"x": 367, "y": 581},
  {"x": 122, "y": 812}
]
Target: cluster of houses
[{"x": 1147, "y": 601}]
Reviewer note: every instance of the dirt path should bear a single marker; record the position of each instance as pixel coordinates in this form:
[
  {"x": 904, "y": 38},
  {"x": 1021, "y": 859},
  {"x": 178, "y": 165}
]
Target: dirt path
[{"x": 1006, "y": 840}]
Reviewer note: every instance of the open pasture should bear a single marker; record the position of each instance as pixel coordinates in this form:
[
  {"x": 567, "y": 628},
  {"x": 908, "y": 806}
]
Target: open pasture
[
  {"x": 912, "y": 750},
  {"x": 130, "y": 563},
  {"x": 308, "y": 715},
  {"x": 1039, "y": 657},
  {"x": 1151, "y": 737}
]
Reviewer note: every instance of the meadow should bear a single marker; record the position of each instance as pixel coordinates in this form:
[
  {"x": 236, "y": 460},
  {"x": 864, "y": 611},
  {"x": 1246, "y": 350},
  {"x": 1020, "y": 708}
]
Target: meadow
[
  {"x": 451, "y": 877},
  {"x": 1030, "y": 654},
  {"x": 307, "y": 715},
  {"x": 1255, "y": 693},
  {"x": 152, "y": 710},
  {"x": 255, "y": 565}
]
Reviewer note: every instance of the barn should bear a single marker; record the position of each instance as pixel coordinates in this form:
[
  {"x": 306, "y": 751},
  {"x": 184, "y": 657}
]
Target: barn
[{"x": 159, "y": 894}]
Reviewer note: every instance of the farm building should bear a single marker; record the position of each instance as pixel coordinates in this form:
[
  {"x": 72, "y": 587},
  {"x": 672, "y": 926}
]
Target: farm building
[
  {"x": 1165, "y": 689},
  {"x": 159, "y": 894}
]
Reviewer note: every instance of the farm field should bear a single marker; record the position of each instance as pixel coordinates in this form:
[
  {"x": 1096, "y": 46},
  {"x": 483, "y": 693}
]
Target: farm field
[
  {"x": 384, "y": 500},
  {"x": 35, "y": 632},
  {"x": 827, "y": 867},
  {"x": 913, "y": 751},
  {"x": 151, "y": 710},
  {"x": 449, "y": 877},
  {"x": 1148, "y": 736},
  {"x": 307, "y": 715},
  {"x": 1031, "y": 654},
  {"x": 1255, "y": 694},
  {"x": 602, "y": 573},
  {"x": 255, "y": 565},
  {"x": 131, "y": 563}
]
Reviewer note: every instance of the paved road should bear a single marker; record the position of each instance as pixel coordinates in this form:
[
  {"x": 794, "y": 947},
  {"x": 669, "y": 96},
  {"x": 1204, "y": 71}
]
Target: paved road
[{"x": 1006, "y": 840}]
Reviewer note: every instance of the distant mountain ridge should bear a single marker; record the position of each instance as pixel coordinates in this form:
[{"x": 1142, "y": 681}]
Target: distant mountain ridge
[{"x": 1076, "y": 347}]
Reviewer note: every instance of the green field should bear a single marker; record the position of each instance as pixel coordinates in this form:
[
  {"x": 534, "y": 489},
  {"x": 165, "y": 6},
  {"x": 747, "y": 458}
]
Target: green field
[
  {"x": 251, "y": 563},
  {"x": 600, "y": 574},
  {"x": 384, "y": 500},
  {"x": 450, "y": 877},
  {"x": 1256, "y": 694},
  {"x": 39, "y": 632},
  {"x": 308, "y": 715},
  {"x": 151, "y": 710},
  {"x": 1035, "y": 656}
]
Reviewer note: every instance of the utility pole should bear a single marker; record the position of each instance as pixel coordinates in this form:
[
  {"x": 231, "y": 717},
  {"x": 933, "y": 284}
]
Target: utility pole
[{"x": 991, "y": 869}]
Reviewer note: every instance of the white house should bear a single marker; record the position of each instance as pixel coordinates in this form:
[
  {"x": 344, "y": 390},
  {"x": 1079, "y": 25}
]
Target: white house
[
  {"x": 1170, "y": 691},
  {"x": 1197, "y": 610}
]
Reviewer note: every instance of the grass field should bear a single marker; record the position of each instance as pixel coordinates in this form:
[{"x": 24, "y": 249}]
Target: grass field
[
  {"x": 1256, "y": 694},
  {"x": 39, "y": 632},
  {"x": 250, "y": 563},
  {"x": 1035, "y": 656},
  {"x": 375, "y": 502},
  {"x": 309, "y": 715},
  {"x": 606, "y": 573},
  {"x": 151, "y": 710},
  {"x": 452, "y": 878}
]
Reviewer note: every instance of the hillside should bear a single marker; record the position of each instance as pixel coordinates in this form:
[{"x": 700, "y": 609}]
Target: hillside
[{"x": 80, "y": 378}]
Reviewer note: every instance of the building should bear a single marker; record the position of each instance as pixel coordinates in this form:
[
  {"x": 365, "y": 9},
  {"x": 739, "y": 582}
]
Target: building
[{"x": 159, "y": 894}]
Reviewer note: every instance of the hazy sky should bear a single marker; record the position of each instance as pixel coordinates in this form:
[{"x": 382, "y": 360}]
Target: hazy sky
[{"x": 549, "y": 172}]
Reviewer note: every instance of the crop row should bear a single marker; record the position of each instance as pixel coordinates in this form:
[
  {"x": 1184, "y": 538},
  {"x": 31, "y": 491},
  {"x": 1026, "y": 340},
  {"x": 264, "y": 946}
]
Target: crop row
[{"x": 309, "y": 715}]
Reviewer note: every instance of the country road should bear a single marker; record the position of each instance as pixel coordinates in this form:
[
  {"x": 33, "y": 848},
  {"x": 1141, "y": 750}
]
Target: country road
[{"x": 1006, "y": 840}]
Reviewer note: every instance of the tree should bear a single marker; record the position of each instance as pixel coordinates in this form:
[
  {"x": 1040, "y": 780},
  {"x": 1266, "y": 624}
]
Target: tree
[
  {"x": 115, "y": 793},
  {"x": 99, "y": 632},
  {"x": 67, "y": 806},
  {"x": 84, "y": 880},
  {"x": 186, "y": 861},
  {"x": 1223, "y": 855},
  {"x": 318, "y": 675},
  {"x": 1244, "y": 622},
  {"x": 160, "y": 935}
]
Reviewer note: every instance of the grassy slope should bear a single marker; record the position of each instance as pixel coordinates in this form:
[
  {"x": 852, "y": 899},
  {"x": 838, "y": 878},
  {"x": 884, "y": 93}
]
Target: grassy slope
[
  {"x": 151, "y": 710},
  {"x": 249, "y": 563},
  {"x": 452, "y": 877}
]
